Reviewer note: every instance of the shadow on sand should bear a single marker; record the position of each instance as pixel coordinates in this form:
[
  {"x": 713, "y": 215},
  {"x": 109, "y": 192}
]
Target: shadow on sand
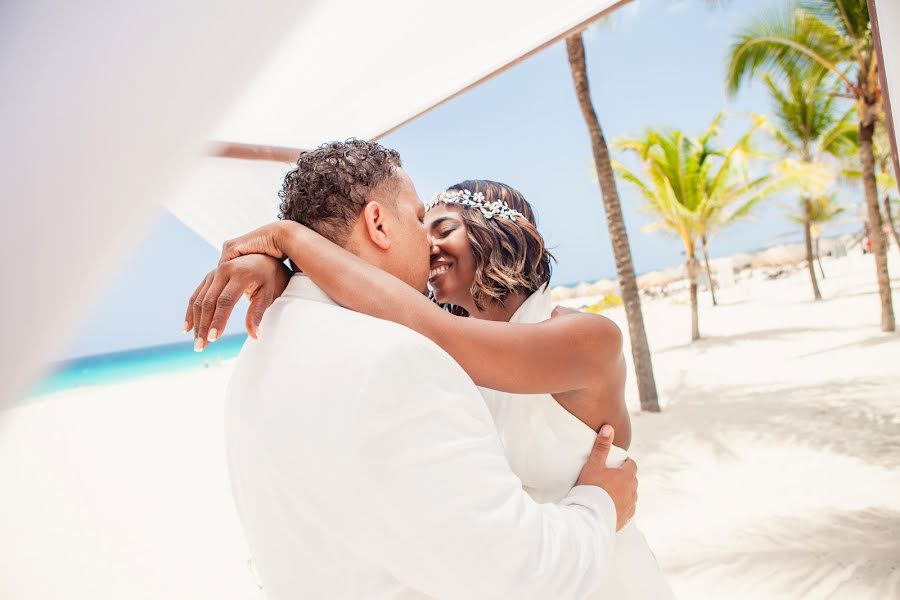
[
  {"x": 706, "y": 344},
  {"x": 825, "y": 555},
  {"x": 808, "y": 416}
]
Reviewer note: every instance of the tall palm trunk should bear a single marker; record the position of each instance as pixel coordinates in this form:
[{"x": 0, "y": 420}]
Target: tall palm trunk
[
  {"x": 819, "y": 259},
  {"x": 640, "y": 349},
  {"x": 807, "y": 240},
  {"x": 693, "y": 270},
  {"x": 709, "y": 277},
  {"x": 876, "y": 234},
  {"x": 890, "y": 219}
]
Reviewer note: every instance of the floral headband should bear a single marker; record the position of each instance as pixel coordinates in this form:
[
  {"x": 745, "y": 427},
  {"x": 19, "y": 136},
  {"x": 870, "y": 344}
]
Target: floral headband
[{"x": 498, "y": 208}]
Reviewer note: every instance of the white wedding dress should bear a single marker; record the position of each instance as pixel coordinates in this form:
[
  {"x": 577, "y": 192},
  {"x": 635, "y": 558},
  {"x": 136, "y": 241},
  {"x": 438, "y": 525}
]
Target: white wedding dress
[{"x": 547, "y": 446}]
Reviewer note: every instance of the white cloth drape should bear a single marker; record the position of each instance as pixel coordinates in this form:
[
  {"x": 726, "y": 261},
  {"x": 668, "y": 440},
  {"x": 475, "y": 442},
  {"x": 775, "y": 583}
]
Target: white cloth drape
[{"x": 105, "y": 106}]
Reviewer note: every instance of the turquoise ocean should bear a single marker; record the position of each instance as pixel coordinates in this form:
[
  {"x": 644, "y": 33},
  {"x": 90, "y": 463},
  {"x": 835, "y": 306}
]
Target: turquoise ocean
[{"x": 119, "y": 366}]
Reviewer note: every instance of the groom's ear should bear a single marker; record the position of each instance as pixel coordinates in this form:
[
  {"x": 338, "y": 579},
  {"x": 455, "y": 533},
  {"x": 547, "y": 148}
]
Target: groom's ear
[{"x": 375, "y": 218}]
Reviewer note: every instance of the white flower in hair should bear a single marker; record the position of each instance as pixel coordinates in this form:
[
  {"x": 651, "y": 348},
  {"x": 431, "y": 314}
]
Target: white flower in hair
[{"x": 497, "y": 208}]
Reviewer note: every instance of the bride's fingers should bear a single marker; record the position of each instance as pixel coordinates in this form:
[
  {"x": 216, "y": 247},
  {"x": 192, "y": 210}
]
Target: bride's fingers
[
  {"x": 215, "y": 292},
  {"x": 189, "y": 313},
  {"x": 259, "y": 303},
  {"x": 197, "y": 310},
  {"x": 239, "y": 246},
  {"x": 224, "y": 304},
  {"x": 228, "y": 249}
]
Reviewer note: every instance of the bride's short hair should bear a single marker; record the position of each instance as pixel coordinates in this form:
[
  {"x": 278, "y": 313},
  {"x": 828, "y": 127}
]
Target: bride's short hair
[{"x": 510, "y": 254}]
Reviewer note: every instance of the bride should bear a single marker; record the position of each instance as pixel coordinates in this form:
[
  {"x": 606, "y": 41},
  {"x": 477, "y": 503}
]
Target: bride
[{"x": 550, "y": 382}]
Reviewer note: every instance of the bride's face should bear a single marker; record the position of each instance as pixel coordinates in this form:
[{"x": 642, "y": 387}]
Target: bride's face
[{"x": 452, "y": 262}]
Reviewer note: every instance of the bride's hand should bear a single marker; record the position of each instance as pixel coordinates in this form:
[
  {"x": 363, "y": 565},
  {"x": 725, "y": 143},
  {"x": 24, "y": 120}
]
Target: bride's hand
[
  {"x": 261, "y": 278},
  {"x": 265, "y": 240}
]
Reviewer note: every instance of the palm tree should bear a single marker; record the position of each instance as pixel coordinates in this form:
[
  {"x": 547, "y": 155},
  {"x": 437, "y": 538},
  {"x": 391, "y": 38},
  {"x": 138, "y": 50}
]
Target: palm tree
[
  {"x": 694, "y": 189},
  {"x": 884, "y": 175},
  {"x": 835, "y": 36},
  {"x": 887, "y": 179},
  {"x": 809, "y": 130},
  {"x": 640, "y": 349},
  {"x": 704, "y": 245},
  {"x": 817, "y": 213},
  {"x": 888, "y": 210}
]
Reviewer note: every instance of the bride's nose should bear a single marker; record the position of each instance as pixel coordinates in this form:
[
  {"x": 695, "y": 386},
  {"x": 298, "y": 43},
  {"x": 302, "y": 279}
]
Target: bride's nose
[{"x": 434, "y": 246}]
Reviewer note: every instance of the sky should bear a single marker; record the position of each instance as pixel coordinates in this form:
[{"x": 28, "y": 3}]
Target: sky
[{"x": 654, "y": 63}]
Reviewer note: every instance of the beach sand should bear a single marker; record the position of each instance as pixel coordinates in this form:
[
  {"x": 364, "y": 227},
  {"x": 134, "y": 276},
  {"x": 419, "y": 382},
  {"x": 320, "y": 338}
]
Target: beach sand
[{"x": 772, "y": 472}]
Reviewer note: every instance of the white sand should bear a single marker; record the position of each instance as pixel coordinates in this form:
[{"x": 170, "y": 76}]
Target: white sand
[{"x": 773, "y": 472}]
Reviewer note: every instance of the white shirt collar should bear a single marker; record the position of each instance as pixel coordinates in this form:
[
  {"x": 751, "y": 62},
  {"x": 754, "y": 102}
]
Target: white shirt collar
[
  {"x": 536, "y": 308},
  {"x": 301, "y": 286}
]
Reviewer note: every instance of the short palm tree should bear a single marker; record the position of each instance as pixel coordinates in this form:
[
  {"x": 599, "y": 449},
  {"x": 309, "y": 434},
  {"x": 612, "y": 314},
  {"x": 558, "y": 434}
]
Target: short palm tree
[
  {"x": 817, "y": 214},
  {"x": 889, "y": 212},
  {"x": 694, "y": 189},
  {"x": 835, "y": 36},
  {"x": 884, "y": 174},
  {"x": 809, "y": 129},
  {"x": 887, "y": 179}
]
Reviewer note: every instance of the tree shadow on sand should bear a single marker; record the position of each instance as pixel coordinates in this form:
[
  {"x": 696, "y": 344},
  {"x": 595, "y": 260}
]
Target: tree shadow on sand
[
  {"x": 785, "y": 334},
  {"x": 826, "y": 554},
  {"x": 808, "y": 416},
  {"x": 876, "y": 340}
]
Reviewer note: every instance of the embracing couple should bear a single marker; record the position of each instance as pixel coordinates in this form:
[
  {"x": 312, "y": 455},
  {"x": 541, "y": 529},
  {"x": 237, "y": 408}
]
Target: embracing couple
[{"x": 365, "y": 462}]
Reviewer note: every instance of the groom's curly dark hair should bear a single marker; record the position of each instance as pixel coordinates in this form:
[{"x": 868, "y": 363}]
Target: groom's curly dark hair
[{"x": 331, "y": 184}]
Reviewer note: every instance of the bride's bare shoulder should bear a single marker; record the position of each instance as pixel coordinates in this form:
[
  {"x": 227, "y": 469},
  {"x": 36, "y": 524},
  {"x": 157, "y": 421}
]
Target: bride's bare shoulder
[
  {"x": 562, "y": 310},
  {"x": 597, "y": 325}
]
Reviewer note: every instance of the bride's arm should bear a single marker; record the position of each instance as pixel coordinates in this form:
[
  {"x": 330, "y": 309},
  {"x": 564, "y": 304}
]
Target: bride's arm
[{"x": 568, "y": 352}]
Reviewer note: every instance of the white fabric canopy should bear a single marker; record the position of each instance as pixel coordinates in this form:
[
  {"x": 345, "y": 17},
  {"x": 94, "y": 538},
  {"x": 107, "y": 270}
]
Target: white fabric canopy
[
  {"x": 357, "y": 68},
  {"x": 360, "y": 69},
  {"x": 105, "y": 106},
  {"x": 225, "y": 197}
]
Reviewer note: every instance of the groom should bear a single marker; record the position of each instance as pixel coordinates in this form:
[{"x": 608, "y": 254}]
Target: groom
[{"x": 363, "y": 460}]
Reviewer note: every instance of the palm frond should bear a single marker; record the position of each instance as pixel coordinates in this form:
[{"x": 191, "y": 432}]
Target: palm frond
[
  {"x": 808, "y": 177},
  {"x": 850, "y": 17},
  {"x": 842, "y": 139},
  {"x": 627, "y": 175},
  {"x": 690, "y": 185},
  {"x": 786, "y": 42}
]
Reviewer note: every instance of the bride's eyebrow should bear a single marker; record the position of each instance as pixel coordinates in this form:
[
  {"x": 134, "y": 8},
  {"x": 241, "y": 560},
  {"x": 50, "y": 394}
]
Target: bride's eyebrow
[{"x": 441, "y": 220}]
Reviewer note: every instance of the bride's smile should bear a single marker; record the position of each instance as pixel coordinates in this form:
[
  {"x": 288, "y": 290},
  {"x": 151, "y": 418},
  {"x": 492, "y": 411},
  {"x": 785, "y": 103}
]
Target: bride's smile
[
  {"x": 438, "y": 268},
  {"x": 452, "y": 268}
]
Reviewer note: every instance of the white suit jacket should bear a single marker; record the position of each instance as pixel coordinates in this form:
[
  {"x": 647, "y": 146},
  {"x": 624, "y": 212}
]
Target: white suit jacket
[{"x": 365, "y": 464}]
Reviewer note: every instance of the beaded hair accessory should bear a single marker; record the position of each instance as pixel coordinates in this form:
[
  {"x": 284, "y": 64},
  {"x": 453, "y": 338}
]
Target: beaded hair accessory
[{"x": 498, "y": 208}]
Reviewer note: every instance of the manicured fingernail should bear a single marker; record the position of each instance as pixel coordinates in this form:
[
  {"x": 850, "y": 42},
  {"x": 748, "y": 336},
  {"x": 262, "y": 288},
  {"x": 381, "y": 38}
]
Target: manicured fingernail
[
  {"x": 198, "y": 344},
  {"x": 213, "y": 334},
  {"x": 606, "y": 430},
  {"x": 186, "y": 328}
]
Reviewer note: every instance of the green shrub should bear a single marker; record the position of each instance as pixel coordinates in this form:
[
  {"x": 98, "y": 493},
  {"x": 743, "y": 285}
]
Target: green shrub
[{"x": 608, "y": 301}]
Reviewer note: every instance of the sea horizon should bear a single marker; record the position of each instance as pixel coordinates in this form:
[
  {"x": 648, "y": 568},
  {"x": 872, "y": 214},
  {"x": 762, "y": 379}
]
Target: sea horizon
[{"x": 112, "y": 367}]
